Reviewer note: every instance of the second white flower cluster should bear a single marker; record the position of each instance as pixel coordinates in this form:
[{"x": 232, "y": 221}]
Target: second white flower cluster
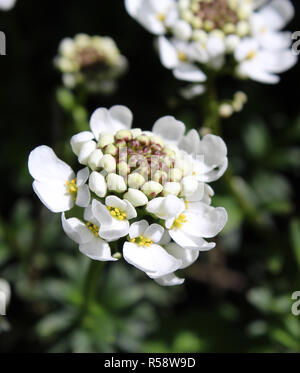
[
  {"x": 243, "y": 37},
  {"x": 145, "y": 190}
]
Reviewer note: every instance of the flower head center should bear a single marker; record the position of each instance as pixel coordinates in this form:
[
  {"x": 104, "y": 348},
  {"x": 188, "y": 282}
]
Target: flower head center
[
  {"x": 211, "y": 15},
  {"x": 251, "y": 55},
  {"x": 178, "y": 223},
  {"x": 117, "y": 213},
  {"x": 161, "y": 17},
  {"x": 90, "y": 58},
  {"x": 72, "y": 188},
  {"x": 93, "y": 228},
  {"x": 142, "y": 241}
]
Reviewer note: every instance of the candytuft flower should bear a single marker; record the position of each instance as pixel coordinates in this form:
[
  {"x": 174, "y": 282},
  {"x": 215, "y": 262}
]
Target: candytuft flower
[
  {"x": 149, "y": 191},
  {"x": 94, "y": 61},
  {"x": 200, "y": 35}
]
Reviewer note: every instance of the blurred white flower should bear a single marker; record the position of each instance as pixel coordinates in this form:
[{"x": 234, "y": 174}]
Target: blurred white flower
[
  {"x": 94, "y": 61},
  {"x": 200, "y": 35},
  {"x": 5, "y": 294},
  {"x": 7, "y": 4}
]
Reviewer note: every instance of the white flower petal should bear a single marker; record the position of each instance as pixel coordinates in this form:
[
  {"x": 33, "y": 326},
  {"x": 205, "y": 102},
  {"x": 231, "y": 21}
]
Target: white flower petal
[
  {"x": 97, "y": 249},
  {"x": 76, "y": 230},
  {"x": 82, "y": 176},
  {"x": 166, "y": 207},
  {"x": 53, "y": 195},
  {"x": 114, "y": 231},
  {"x": 207, "y": 222},
  {"x": 78, "y": 140},
  {"x": 153, "y": 260},
  {"x": 101, "y": 213},
  {"x": 167, "y": 52},
  {"x": 83, "y": 196},
  {"x": 121, "y": 116},
  {"x": 277, "y": 13},
  {"x": 187, "y": 256},
  {"x": 130, "y": 210},
  {"x": 85, "y": 152},
  {"x": 189, "y": 72},
  {"x": 169, "y": 129},
  {"x": 116, "y": 202},
  {"x": 44, "y": 165},
  {"x": 190, "y": 143},
  {"x": 138, "y": 228},
  {"x": 155, "y": 232},
  {"x": 169, "y": 280}
]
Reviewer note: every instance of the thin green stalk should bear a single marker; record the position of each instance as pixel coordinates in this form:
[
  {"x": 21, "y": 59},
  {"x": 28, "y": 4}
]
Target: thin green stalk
[{"x": 90, "y": 286}]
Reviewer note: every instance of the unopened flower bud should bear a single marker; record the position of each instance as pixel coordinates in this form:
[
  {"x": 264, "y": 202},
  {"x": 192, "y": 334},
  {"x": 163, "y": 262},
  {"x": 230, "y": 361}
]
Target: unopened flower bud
[
  {"x": 136, "y": 180},
  {"x": 97, "y": 184},
  {"x": 136, "y": 132},
  {"x": 121, "y": 144},
  {"x": 105, "y": 139},
  {"x": 152, "y": 188},
  {"x": 123, "y": 168},
  {"x": 95, "y": 159},
  {"x": 136, "y": 197},
  {"x": 117, "y": 255},
  {"x": 144, "y": 140},
  {"x": 125, "y": 135},
  {"x": 111, "y": 149},
  {"x": 160, "y": 177},
  {"x": 116, "y": 183},
  {"x": 108, "y": 162},
  {"x": 225, "y": 110},
  {"x": 157, "y": 140},
  {"x": 171, "y": 188}
]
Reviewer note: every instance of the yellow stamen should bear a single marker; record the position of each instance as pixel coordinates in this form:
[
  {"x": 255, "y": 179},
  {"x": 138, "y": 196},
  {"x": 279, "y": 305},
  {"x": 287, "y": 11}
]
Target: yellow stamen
[
  {"x": 93, "y": 228},
  {"x": 161, "y": 17},
  {"x": 142, "y": 241},
  {"x": 251, "y": 55},
  {"x": 117, "y": 213},
  {"x": 182, "y": 56},
  {"x": 178, "y": 223},
  {"x": 72, "y": 188}
]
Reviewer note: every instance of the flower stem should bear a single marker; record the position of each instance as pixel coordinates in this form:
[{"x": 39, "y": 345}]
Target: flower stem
[{"x": 90, "y": 286}]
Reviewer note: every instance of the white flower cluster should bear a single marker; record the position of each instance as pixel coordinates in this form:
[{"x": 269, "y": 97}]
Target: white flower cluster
[
  {"x": 146, "y": 190},
  {"x": 91, "y": 60},
  {"x": 7, "y": 4},
  {"x": 197, "y": 35}
]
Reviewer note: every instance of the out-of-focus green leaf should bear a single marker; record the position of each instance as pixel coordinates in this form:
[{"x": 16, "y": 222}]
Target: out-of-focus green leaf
[
  {"x": 257, "y": 139},
  {"x": 187, "y": 342},
  {"x": 295, "y": 238},
  {"x": 273, "y": 191}
]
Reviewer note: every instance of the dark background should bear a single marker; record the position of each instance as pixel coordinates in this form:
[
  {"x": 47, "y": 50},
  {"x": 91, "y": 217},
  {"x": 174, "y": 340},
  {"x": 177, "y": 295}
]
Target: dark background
[{"x": 204, "y": 315}]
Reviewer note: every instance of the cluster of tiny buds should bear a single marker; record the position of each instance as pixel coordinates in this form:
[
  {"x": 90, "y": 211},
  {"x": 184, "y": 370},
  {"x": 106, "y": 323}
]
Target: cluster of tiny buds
[
  {"x": 142, "y": 160},
  {"x": 226, "y": 109},
  {"x": 225, "y": 16}
]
